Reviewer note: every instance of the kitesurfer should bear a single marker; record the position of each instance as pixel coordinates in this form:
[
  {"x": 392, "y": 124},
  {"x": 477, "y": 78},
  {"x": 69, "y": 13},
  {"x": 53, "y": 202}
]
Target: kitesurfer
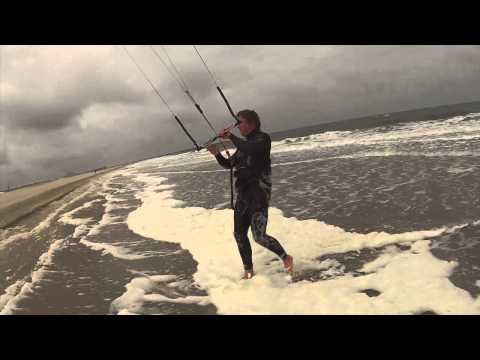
[{"x": 252, "y": 172}]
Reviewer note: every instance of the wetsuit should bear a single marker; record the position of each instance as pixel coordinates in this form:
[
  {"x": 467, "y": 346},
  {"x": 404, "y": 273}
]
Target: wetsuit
[{"x": 252, "y": 172}]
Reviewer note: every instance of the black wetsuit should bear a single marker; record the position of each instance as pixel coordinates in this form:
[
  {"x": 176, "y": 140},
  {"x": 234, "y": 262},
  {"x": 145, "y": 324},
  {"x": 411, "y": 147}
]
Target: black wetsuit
[{"x": 252, "y": 172}]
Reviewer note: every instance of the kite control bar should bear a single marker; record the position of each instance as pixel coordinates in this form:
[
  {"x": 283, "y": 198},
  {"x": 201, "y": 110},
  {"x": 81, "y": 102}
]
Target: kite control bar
[{"x": 209, "y": 142}]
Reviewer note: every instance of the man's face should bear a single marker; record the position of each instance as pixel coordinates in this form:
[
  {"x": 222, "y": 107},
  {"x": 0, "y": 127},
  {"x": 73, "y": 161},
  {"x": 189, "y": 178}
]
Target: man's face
[{"x": 245, "y": 127}]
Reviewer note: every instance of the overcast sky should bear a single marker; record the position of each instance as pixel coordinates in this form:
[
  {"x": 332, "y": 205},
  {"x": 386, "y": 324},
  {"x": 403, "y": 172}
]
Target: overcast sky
[{"x": 72, "y": 108}]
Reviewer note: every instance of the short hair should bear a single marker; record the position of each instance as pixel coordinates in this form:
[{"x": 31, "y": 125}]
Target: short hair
[{"x": 251, "y": 116}]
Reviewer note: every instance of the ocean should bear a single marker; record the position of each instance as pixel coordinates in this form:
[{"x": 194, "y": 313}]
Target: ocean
[{"x": 379, "y": 220}]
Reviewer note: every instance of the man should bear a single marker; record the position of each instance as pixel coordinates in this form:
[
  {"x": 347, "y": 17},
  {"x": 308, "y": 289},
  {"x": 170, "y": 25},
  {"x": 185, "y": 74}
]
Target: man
[{"x": 252, "y": 171}]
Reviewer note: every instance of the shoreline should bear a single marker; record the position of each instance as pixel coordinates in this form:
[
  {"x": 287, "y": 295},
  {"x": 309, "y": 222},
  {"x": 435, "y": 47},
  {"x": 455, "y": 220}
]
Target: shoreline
[{"x": 17, "y": 204}]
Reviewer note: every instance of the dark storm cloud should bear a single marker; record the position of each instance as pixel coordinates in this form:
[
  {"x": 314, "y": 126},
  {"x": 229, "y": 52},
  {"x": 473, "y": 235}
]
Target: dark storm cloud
[
  {"x": 63, "y": 155},
  {"x": 75, "y": 108},
  {"x": 4, "y": 160},
  {"x": 40, "y": 117},
  {"x": 67, "y": 103},
  {"x": 352, "y": 82},
  {"x": 365, "y": 81}
]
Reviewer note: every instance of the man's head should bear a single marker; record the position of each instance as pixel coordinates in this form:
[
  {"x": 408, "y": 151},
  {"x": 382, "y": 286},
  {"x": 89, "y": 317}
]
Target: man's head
[{"x": 249, "y": 122}]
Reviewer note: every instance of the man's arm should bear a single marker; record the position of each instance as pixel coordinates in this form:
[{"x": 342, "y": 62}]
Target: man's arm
[
  {"x": 225, "y": 163},
  {"x": 255, "y": 146}
]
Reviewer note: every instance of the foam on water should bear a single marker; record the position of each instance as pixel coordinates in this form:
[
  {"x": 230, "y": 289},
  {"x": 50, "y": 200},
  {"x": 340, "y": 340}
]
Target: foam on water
[
  {"x": 13, "y": 293},
  {"x": 188, "y": 158},
  {"x": 86, "y": 228},
  {"x": 453, "y": 129},
  {"x": 116, "y": 251},
  {"x": 46, "y": 223},
  {"x": 378, "y": 154},
  {"x": 10, "y": 293},
  {"x": 13, "y": 238},
  {"x": 139, "y": 291},
  {"x": 83, "y": 227},
  {"x": 21, "y": 289},
  {"x": 409, "y": 282},
  {"x": 81, "y": 224},
  {"x": 457, "y": 171}
]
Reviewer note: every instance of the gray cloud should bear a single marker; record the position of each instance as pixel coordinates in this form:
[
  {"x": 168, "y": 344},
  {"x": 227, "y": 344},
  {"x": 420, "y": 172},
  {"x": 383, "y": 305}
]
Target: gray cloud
[
  {"x": 369, "y": 82},
  {"x": 40, "y": 117},
  {"x": 62, "y": 108},
  {"x": 75, "y": 108},
  {"x": 4, "y": 160}
]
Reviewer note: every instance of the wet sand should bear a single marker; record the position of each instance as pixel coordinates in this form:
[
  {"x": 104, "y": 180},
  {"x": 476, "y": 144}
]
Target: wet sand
[{"x": 18, "y": 203}]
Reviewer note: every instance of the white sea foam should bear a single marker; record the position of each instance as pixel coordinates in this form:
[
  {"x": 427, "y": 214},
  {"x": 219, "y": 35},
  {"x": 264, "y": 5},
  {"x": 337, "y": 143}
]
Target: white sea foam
[
  {"x": 409, "y": 282},
  {"x": 87, "y": 228},
  {"x": 453, "y": 129},
  {"x": 116, "y": 251},
  {"x": 138, "y": 291},
  {"x": 16, "y": 292},
  {"x": 13, "y": 238}
]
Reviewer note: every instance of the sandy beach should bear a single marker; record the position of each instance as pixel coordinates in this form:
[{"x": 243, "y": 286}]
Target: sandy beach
[{"x": 18, "y": 203}]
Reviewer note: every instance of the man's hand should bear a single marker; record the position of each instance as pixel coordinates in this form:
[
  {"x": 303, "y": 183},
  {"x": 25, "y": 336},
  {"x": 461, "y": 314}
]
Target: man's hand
[
  {"x": 225, "y": 132},
  {"x": 213, "y": 149}
]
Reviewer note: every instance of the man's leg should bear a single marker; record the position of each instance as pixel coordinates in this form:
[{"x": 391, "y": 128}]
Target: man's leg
[
  {"x": 259, "y": 227},
  {"x": 241, "y": 219}
]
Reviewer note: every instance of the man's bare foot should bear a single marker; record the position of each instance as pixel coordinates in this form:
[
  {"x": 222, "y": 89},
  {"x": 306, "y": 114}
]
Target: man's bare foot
[
  {"x": 248, "y": 274},
  {"x": 288, "y": 263}
]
